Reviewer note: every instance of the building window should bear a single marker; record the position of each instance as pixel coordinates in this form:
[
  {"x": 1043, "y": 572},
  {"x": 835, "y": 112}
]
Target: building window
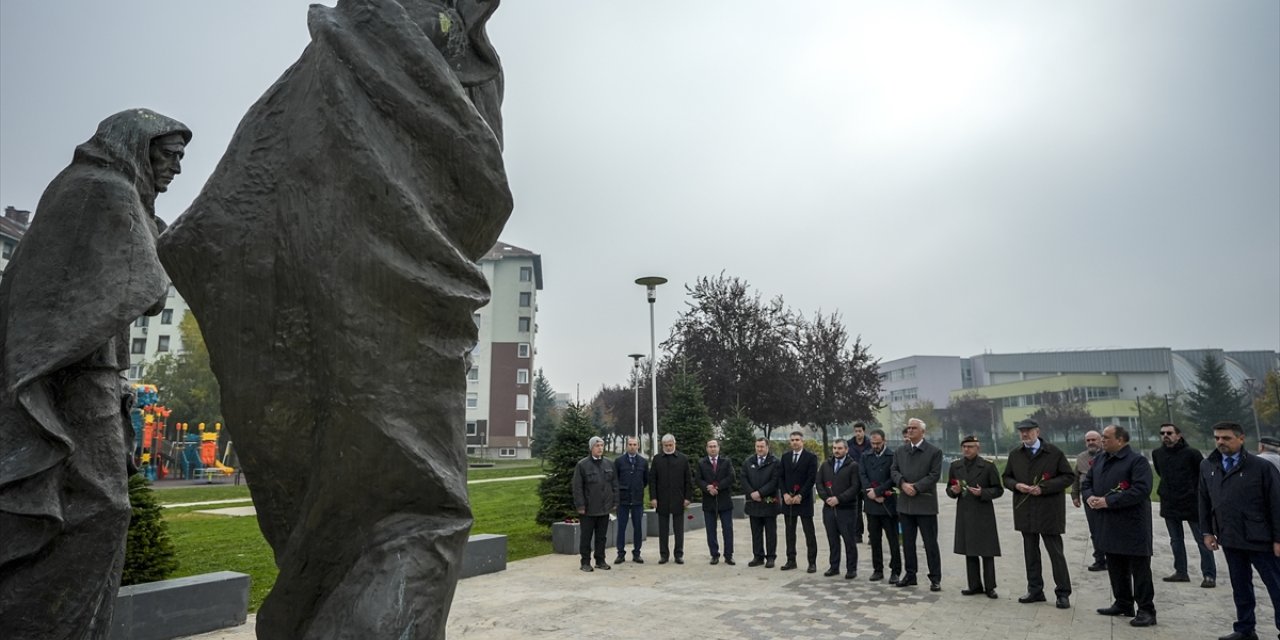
[
  {"x": 142, "y": 321},
  {"x": 522, "y": 376},
  {"x": 526, "y": 274},
  {"x": 473, "y": 400},
  {"x": 172, "y": 291},
  {"x": 522, "y": 402},
  {"x": 166, "y": 316},
  {"x": 471, "y": 428},
  {"x": 526, "y": 299},
  {"x": 506, "y": 453},
  {"x": 522, "y": 428},
  {"x": 8, "y": 249},
  {"x": 134, "y": 372},
  {"x": 525, "y": 324},
  {"x": 163, "y": 344},
  {"x": 522, "y": 350},
  {"x": 139, "y": 346},
  {"x": 476, "y": 318},
  {"x": 473, "y": 375}
]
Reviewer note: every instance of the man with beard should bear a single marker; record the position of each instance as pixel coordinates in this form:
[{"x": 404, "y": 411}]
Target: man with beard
[
  {"x": 838, "y": 485},
  {"x": 859, "y": 446},
  {"x": 1179, "y": 467},
  {"x": 1039, "y": 474},
  {"x": 1119, "y": 488},
  {"x": 1092, "y": 446},
  {"x": 975, "y": 483},
  {"x": 670, "y": 491},
  {"x": 760, "y": 486},
  {"x": 84, "y": 271},
  {"x": 875, "y": 472}
]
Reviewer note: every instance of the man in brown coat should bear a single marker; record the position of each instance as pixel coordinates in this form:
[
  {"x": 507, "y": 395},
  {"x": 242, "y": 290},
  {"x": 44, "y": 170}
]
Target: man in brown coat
[{"x": 1038, "y": 473}]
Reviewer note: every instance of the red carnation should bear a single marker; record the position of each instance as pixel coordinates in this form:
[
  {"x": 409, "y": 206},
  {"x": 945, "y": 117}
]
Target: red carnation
[
  {"x": 875, "y": 485},
  {"x": 828, "y": 484},
  {"x": 1124, "y": 484},
  {"x": 795, "y": 488},
  {"x": 954, "y": 482},
  {"x": 1045, "y": 476}
]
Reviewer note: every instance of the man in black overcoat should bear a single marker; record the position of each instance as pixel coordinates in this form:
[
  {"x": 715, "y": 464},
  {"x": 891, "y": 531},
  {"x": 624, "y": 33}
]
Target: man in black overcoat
[
  {"x": 670, "y": 491},
  {"x": 1038, "y": 474},
  {"x": 1179, "y": 467},
  {"x": 1118, "y": 487},
  {"x": 799, "y": 473},
  {"x": 839, "y": 488},
  {"x": 715, "y": 479},
  {"x": 880, "y": 505},
  {"x": 760, "y": 473},
  {"x": 975, "y": 483}
]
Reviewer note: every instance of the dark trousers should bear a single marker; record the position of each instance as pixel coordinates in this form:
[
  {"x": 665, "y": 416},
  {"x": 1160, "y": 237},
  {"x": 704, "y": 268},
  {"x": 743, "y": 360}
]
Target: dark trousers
[
  {"x": 1240, "y": 565},
  {"x": 1208, "y": 567},
  {"x": 839, "y": 524},
  {"x": 1057, "y": 560},
  {"x": 1131, "y": 581},
  {"x": 634, "y": 513},
  {"x": 880, "y": 529},
  {"x": 591, "y": 534},
  {"x": 726, "y": 523},
  {"x": 810, "y": 537},
  {"x": 764, "y": 537},
  {"x": 1092, "y": 517},
  {"x": 981, "y": 571},
  {"x": 667, "y": 522},
  {"x": 858, "y": 528},
  {"x": 927, "y": 526}
]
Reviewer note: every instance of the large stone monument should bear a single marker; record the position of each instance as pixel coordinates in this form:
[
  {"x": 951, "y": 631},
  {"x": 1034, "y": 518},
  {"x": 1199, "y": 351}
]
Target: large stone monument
[
  {"x": 331, "y": 262},
  {"x": 85, "y": 270}
]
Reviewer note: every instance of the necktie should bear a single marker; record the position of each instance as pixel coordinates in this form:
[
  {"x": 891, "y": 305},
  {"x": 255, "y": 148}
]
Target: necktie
[
  {"x": 795, "y": 459},
  {"x": 713, "y": 465},
  {"x": 838, "y": 465},
  {"x": 1228, "y": 462},
  {"x": 759, "y": 462}
]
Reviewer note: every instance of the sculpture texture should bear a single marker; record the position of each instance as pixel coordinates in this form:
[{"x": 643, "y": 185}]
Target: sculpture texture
[
  {"x": 331, "y": 262},
  {"x": 85, "y": 270}
]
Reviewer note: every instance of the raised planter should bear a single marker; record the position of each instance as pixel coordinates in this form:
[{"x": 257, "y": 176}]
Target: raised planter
[
  {"x": 693, "y": 519},
  {"x": 564, "y": 535},
  {"x": 180, "y": 607},
  {"x": 485, "y": 553},
  {"x": 739, "y": 507}
]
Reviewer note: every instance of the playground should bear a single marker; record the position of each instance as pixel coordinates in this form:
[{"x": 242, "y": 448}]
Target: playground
[{"x": 166, "y": 452}]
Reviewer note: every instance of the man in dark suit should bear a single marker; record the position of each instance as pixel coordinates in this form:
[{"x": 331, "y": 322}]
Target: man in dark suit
[
  {"x": 595, "y": 492},
  {"x": 975, "y": 484},
  {"x": 859, "y": 445},
  {"x": 1038, "y": 474},
  {"x": 838, "y": 488},
  {"x": 760, "y": 486},
  {"x": 880, "y": 504},
  {"x": 1178, "y": 464},
  {"x": 670, "y": 491},
  {"x": 632, "y": 470},
  {"x": 1240, "y": 511},
  {"x": 799, "y": 472},
  {"x": 715, "y": 479},
  {"x": 1118, "y": 487},
  {"x": 917, "y": 466}
]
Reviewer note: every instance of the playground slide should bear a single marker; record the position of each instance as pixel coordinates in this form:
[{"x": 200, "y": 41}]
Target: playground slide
[{"x": 224, "y": 468}]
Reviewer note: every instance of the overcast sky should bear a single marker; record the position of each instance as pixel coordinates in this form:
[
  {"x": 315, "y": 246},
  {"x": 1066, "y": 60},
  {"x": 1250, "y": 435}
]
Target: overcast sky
[{"x": 953, "y": 177}]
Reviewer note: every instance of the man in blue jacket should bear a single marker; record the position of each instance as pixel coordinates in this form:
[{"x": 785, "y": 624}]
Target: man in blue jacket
[
  {"x": 633, "y": 476},
  {"x": 1240, "y": 512}
]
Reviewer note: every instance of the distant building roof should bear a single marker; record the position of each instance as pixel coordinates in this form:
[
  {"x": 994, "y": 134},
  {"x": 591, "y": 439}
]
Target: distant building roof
[{"x": 503, "y": 250}]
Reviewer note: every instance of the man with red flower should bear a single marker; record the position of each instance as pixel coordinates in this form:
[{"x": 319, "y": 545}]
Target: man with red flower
[
  {"x": 975, "y": 483},
  {"x": 1118, "y": 487},
  {"x": 875, "y": 471},
  {"x": 838, "y": 488},
  {"x": 916, "y": 469},
  {"x": 799, "y": 472},
  {"x": 1038, "y": 472}
]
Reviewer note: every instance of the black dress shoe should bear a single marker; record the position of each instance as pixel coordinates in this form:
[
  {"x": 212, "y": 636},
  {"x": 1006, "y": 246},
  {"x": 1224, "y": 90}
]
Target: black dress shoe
[
  {"x": 587, "y": 568},
  {"x": 1143, "y": 619},
  {"x": 850, "y": 575},
  {"x": 620, "y": 559},
  {"x": 755, "y": 563},
  {"x": 813, "y": 568},
  {"x": 877, "y": 576},
  {"x": 636, "y": 559},
  {"x": 788, "y": 566},
  {"x": 1177, "y": 577},
  {"x": 1032, "y": 597},
  {"x": 602, "y": 566},
  {"x": 830, "y": 572},
  {"x": 1116, "y": 611},
  {"x": 1208, "y": 583},
  {"x": 971, "y": 592},
  {"x": 1063, "y": 602},
  {"x": 715, "y": 561},
  {"x": 1237, "y": 635},
  {"x": 663, "y": 560},
  {"x": 679, "y": 560},
  {"x": 934, "y": 586},
  {"x": 1098, "y": 566},
  {"x": 768, "y": 564},
  {"x": 991, "y": 593},
  {"x": 893, "y": 578},
  {"x": 729, "y": 561},
  {"x": 905, "y": 582}
]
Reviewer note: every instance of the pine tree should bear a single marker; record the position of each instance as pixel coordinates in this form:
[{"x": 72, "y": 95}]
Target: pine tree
[
  {"x": 686, "y": 418},
  {"x": 544, "y": 415},
  {"x": 738, "y": 441},
  {"x": 1214, "y": 399},
  {"x": 149, "y": 554},
  {"x": 568, "y": 446}
]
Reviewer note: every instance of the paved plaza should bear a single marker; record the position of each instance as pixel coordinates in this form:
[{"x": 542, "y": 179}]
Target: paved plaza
[{"x": 548, "y": 597}]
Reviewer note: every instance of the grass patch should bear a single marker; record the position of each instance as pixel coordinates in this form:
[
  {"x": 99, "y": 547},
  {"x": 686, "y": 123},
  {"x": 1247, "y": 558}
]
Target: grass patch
[
  {"x": 510, "y": 508},
  {"x": 198, "y": 493},
  {"x": 505, "y": 472}
]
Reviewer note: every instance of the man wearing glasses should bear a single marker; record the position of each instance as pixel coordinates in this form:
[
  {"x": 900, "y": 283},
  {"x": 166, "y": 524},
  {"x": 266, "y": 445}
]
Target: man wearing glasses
[
  {"x": 1178, "y": 465},
  {"x": 917, "y": 466}
]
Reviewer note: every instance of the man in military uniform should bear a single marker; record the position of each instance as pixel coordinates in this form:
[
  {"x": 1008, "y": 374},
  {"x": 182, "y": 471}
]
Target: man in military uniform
[{"x": 975, "y": 483}]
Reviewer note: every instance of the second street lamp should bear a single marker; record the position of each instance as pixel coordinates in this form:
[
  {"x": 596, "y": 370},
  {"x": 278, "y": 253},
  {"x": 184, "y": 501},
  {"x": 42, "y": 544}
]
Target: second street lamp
[{"x": 635, "y": 386}]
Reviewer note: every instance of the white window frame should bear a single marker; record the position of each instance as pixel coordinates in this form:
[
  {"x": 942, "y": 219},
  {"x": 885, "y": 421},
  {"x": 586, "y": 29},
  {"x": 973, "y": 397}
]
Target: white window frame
[
  {"x": 472, "y": 428},
  {"x": 522, "y": 428},
  {"x": 507, "y": 452},
  {"x": 473, "y": 374},
  {"x": 523, "y": 350},
  {"x": 522, "y": 376},
  {"x": 473, "y": 401},
  {"x": 522, "y": 402}
]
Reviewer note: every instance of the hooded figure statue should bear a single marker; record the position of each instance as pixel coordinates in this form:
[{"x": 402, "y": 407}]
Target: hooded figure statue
[
  {"x": 331, "y": 262},
  {"x": 83, "y": 272}
]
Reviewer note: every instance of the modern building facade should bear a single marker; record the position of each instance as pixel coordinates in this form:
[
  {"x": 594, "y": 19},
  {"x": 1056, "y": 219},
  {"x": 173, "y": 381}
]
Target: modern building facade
[
  {"x": 500, "y": 382},
  {"x": 153, "y": 336}
]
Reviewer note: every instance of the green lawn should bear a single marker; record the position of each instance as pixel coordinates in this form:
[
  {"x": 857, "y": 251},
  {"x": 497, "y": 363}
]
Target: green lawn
[
  {"x": 207, "y": 543},
  {"x": 505, "y": 471}
]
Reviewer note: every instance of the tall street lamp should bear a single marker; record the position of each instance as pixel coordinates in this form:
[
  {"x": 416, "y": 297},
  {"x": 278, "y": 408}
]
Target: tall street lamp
[
  {"x": 650, "y": 283},
  {"x": 635, "y": 386},
  {"x": 1248, "y": 383}
]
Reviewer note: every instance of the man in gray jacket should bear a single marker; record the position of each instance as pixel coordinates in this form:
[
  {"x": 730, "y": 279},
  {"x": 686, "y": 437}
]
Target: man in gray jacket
[
  {"x": 595, "y": 494},
  {"x": 917, "y": 466}
]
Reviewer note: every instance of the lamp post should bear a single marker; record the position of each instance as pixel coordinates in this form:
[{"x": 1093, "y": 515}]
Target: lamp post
[
  {"x": 650, "y": 283},
  {"x": 1248, "y": 383},
  {"x": 1168, "y": 409},
  {"x": 635, "y": 386}
]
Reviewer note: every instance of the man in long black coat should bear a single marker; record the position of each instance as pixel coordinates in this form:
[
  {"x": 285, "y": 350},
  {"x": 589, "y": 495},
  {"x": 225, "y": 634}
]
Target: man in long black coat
[
  {"x": 670, "y": 491},
  {"x": 715, "y": 480},
  {"x": 880, "y": 505},
  {"x": 1039, "y": 474},
  {"x": 1118, "y": 486},
  {"x": 1240, "y": 512},
  {"x": 838, "y": 488},
  {"x": 799, "y": 473},
  {"x": 1179, "y": 467},
  {"x": 975, "y": 483},
  {"x": 760, "y": 487}
]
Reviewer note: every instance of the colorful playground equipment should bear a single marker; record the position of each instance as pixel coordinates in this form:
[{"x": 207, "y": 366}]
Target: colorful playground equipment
[{"x": 189, "y": 455}]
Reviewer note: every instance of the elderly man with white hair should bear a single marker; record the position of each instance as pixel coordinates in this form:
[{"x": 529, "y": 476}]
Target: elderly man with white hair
[
  {"x": 916, "y": 469},
  {"x": 595, "y": 494},
  {"x": 670, "y": 490}
]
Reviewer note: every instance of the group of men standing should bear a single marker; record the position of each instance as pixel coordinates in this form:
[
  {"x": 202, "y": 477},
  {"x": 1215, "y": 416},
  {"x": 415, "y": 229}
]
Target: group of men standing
[{"x": 1231, "y": 500}]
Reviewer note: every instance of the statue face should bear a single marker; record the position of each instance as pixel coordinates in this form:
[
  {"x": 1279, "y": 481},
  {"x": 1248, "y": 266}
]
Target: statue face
[{"x": 166, "y": 159}]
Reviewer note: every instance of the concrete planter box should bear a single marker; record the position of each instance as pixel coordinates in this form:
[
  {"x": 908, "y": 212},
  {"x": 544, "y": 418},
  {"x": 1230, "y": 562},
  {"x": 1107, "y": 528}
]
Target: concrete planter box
[
  {"x": 564, "y": 535},
  {"x": 485, "y": 553},
  {"x": 180, "y": 607},
  {"x": 693, "y": 519},
  {"x": 739, "y": 507}
]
